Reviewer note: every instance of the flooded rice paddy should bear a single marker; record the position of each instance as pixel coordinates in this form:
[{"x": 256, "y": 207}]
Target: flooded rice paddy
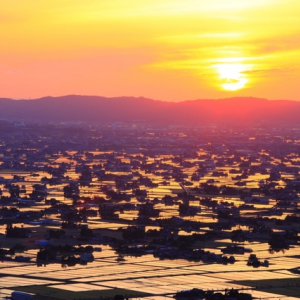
[{"x": 224, "y": 190}]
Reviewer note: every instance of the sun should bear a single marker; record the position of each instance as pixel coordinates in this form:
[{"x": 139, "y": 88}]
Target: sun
[{"x": 232, "y": 75}]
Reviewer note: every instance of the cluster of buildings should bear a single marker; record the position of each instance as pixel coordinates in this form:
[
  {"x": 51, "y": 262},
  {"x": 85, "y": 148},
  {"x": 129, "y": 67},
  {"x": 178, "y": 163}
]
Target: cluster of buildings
[{"x": 162, "y": 191}]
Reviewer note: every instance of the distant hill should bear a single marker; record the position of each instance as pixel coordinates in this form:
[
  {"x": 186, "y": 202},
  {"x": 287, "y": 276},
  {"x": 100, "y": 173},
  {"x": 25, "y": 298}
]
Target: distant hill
[{"x": 130, "y": 109}]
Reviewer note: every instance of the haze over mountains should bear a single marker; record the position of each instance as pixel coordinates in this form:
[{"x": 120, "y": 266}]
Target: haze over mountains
[{"x": 74, "y": 108}]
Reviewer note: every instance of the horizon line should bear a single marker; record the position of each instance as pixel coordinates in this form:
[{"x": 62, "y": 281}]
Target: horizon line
[{"x": 146, "y": 98}]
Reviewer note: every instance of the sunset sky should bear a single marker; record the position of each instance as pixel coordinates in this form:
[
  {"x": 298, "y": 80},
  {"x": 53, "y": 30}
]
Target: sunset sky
[{"x": 168, "y": 50}]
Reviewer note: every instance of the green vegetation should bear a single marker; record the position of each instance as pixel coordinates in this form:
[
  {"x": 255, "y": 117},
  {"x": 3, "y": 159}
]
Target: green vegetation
[
  {"x": 45, "y": 292},
  {"x": 289, "y": 286}
]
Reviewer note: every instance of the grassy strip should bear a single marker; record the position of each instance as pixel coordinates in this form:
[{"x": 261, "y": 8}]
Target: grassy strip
[
  {"x": 45, "y": 292},
  {"x": 288, "y": 286}
]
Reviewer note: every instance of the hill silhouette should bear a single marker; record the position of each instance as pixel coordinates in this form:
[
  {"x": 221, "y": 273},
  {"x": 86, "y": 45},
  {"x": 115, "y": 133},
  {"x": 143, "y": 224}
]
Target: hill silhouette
[{"x": 75, "y": 108}]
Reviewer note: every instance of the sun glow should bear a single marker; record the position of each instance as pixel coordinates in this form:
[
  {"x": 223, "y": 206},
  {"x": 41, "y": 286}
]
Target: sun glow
[
  {"x": 161, "y": 49},
  {"x": 232, "y": 75}
]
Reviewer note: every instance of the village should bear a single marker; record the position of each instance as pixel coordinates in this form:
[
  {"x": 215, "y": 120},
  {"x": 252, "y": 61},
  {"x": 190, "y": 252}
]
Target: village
[{"x": 97, "y": 211}]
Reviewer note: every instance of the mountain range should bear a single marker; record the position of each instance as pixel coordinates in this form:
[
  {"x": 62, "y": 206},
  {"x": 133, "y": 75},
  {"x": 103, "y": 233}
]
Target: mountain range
[{"x": 76, "y": 108}]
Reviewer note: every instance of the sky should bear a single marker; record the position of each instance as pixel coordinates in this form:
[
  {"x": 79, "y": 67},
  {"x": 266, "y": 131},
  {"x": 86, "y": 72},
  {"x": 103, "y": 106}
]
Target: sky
[{"x": 160, "y": 49}]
